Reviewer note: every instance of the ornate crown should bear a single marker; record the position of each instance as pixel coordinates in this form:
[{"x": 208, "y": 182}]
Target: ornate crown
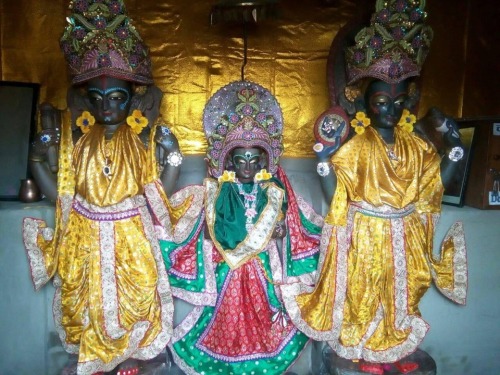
[
  {"x": 395, "y": 44},
  {"x": 242, "y": 114},
  {"x": 101, "y": 40}
]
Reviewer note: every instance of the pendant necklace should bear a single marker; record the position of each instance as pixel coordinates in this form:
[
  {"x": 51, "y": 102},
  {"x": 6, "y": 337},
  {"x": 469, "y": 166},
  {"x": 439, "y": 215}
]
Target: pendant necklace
[
  {"x": 391, "y": 153},
  {"x": 250, "y": 202},
  {"x": 106, "y": 169}
]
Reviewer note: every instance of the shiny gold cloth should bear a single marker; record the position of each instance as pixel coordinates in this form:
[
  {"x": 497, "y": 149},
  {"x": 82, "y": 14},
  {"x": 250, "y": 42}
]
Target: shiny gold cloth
[
  {"x": 113, "y": 299},
  {"x": 192, "y": 60},
  {"x": 379, "y": 261}
]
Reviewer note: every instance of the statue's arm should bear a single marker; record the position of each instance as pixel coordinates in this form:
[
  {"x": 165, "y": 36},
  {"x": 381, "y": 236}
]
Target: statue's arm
[
  {"x": 45, "y": 179},
  {"x": 44, "y": 152},
  {"x": 169, "y": 156},
  {"x": 324, "y": 167},
  {"x": 328, "y": 182},
  {"x": 454, "y": 152},
  {"x": 453, "y": 148}
]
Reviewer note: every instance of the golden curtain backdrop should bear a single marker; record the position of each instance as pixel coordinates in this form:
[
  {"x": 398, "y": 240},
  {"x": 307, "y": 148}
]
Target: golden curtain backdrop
[{"x": 192, "y": 60}]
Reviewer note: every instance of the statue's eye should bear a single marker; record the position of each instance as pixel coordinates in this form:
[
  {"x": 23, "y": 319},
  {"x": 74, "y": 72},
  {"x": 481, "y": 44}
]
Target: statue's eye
[
  {"x": 116, "y": 96},
  {"x": 95, "y": 97}
]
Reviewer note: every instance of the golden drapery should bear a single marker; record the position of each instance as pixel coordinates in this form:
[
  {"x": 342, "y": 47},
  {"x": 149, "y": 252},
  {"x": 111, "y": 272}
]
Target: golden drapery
[
  {"x": 378, "y": 255},
  {"x": 192, "y": 60},
  {"x": 113, "y": 298}
]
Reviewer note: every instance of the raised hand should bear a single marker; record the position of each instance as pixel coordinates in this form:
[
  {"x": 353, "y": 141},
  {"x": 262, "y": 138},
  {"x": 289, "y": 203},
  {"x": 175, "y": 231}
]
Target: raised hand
[
  {"x": 167, "y": 146},
  {"x": 324, "y": 152},
  {"x": 45, "y": 147},
  {"x": 451, "y": 136}
]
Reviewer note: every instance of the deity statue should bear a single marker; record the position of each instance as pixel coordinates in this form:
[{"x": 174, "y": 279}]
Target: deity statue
[
  {"x": 108, "y": 174},
  {"x": 385, "y": 184},
  {"x": 254, "y": 234}
]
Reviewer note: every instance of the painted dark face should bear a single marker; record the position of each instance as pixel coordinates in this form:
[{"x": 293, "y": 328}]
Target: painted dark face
[
  {"x": 385, "y": 103},
  {"x": 247, "y": 162},
  {"x": 109, "y": 99}
]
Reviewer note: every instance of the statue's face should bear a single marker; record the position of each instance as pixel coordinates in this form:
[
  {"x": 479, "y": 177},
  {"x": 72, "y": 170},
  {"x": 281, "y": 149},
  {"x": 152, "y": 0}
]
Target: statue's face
[
  {"x": 385, "y": 103},
  {"x": 247, "y": 162},
  {"x": 109, "y": 99}
]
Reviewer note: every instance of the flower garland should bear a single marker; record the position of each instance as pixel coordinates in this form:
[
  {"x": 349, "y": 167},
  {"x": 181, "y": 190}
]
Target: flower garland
[{"x": 360, "y": 122}]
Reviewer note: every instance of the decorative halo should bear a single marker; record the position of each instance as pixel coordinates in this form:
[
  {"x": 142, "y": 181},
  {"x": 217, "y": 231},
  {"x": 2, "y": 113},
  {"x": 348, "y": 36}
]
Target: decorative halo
[
  {"x": 225, "y": 100},
  {"x": 328, "y": 122},
  {"x": 242, "y": 114}
]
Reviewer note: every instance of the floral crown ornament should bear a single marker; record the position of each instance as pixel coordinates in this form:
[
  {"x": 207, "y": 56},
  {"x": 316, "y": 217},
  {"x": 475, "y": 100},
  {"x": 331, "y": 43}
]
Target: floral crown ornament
[
  {"x": 395, "y": 44},
  {"x": 100, "y": 39},
  {"x": 242, "y": 114}
]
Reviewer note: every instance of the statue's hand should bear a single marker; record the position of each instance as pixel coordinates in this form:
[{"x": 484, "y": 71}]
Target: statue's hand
[
  {"x": 324, "y": 152},
  {"x": 45, "y": 147},
  {"x": 279, "y": 229},
  {"x": 168, "y": 147},
  {"x": 451, "y": 134}
]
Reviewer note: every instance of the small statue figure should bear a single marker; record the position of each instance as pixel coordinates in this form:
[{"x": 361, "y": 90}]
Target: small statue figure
[
  {"x": 232, "y": 270},
  {"x": 387, "y": 185},
  {"x": 113, "y": 303}
]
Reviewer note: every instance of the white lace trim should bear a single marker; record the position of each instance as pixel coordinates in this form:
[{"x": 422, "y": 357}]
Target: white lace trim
[
  {"x": 186, "y": 223},
  {"x": 38, "y": 270},
  {"x": 208, "y": 297},
  {"x": 110, "y": 304},
  {"x": 108, "y": 279},
  {"x": 415, "y": 324},
  {"x": 458, "y": 293},
  {"x": 309, "y": 212},
  {"x": 57, "y": 312},
  {"x": 186, "y": 325},
  {"x": 158, "y": 206}
]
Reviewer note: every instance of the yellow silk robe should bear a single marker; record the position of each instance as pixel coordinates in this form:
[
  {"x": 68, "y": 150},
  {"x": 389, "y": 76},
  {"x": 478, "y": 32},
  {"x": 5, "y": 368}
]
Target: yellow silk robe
[
  {"x": 113, "y": 299},
  {"x": 377, "y": 251}
]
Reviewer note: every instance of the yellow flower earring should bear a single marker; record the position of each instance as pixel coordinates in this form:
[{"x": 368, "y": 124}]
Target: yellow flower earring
[
  {"x": 137, "y": 121},
  {"x": 407, "y": 120},
  {"x": 85, "y": 121},
  {"x": 360, "y": 122}
]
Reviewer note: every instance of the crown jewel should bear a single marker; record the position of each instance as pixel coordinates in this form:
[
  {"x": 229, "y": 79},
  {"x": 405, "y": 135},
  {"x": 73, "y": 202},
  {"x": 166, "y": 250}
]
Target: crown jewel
[
  {"x": 395, "y": 44},
  {"x": 242, "y": 114},
  {"x": 100, "y": 39}
]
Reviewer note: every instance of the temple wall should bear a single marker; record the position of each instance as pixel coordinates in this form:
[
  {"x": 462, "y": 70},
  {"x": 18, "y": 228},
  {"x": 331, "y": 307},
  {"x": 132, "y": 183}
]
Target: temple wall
[{"x": 192, "y": 59}]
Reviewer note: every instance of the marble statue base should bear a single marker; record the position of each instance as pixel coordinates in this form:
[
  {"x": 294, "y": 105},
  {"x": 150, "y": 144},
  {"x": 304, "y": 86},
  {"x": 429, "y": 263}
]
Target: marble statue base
[{"x": 332, "y": 364}]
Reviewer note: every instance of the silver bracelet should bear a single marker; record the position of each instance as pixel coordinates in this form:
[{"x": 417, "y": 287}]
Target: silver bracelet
[
  {"x": 456, "y": 154},
  {"x": 323, "y": 168},
  {"x": 174, "y": 158}
]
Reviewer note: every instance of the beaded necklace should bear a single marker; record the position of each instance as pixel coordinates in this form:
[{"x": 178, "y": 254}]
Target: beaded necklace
[{"x": 249, "y": 203}]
